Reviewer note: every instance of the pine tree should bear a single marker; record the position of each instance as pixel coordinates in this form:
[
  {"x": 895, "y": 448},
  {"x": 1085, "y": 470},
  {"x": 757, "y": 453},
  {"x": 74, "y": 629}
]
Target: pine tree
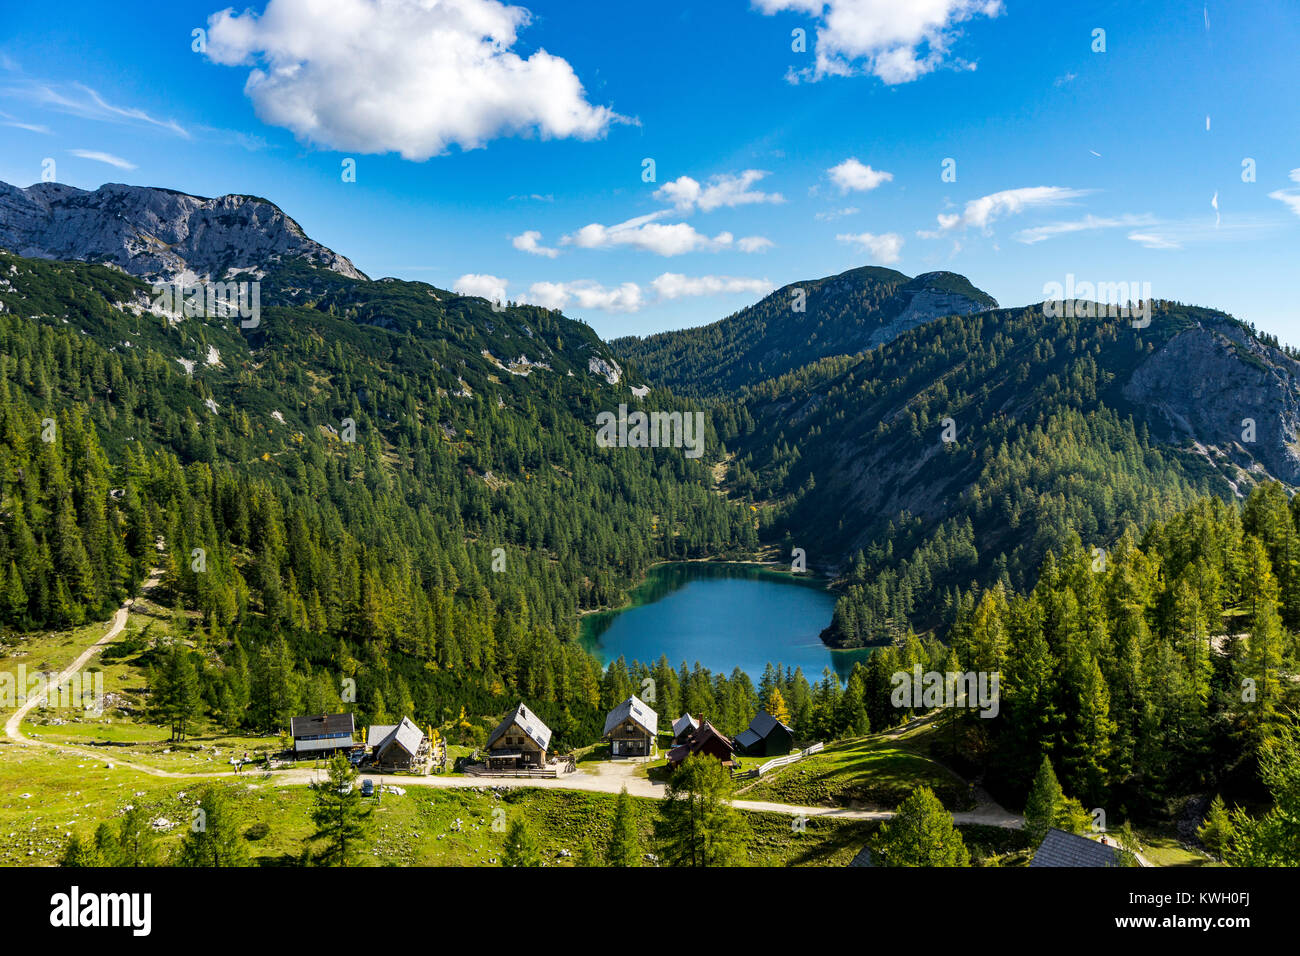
[
  {"x": 213, "y": 838},
  {"x": 921, "y": 833},
  {"x": 1043, "y": 803},
  {"x": 624, "y": 843},
  {"x": 696, "y": 824},
  {"x": 341, "y": 818},
  {"x": 520, "y": 848}
]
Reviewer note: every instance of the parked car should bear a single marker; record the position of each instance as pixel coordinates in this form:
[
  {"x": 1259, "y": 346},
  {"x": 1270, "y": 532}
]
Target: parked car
[{"x": 367, "y": 787}]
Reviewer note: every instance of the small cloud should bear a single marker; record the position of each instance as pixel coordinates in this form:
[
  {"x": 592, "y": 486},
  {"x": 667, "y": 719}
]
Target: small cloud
[
  {"x": 487, "y": 287},
  {"x": 530, "y": 242},
  {"x": 726, "y": 190},
  {"x": 981, "y": 212},
  {"x": 99, "y": 157},
  {"x": 853, "y": 176},
  {"x": 671, "y": 285},
  {"x": 885, "y": 248}
]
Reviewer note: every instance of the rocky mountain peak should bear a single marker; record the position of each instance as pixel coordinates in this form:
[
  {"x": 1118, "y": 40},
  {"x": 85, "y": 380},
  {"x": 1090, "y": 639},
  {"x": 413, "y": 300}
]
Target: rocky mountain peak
[{"x": 157, "y": 234}]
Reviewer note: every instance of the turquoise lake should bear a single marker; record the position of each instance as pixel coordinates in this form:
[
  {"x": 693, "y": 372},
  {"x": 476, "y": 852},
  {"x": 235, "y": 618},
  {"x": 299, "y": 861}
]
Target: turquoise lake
[{"x": 724, "y": 616}]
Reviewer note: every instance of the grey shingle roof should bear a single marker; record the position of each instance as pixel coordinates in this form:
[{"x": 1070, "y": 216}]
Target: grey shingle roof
[
  {"x": 406, "y": 735},
  {"x": 528, "y": 722},
  {"x": 635, "y": 708},
  {"x": 375, "y": 736},
  {"x": 1066, "y": 849},
  {"x": 683, "y": 722},
  {"x": 747, "y": 738}
]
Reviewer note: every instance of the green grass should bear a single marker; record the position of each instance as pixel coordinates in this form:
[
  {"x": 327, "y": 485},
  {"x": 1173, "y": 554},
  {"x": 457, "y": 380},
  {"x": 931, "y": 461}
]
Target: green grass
[{"x": 868, "y": 772}]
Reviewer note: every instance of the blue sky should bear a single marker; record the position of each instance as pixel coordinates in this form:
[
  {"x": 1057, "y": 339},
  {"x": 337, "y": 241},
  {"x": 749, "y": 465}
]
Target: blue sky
[{"x": 517, "y": 162}]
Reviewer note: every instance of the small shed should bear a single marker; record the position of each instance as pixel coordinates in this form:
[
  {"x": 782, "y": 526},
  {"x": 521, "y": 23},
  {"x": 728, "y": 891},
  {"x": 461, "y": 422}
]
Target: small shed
[
  {"x": 1069, "y": 849},
  {"x": 684, "y": 728},
  {"x": 322, "y": 734},
  {"x": 707, "y": 739},
  {"x": 519, "y": 742},
  {"x": 631, "y": 728},
  {"x": 765, "y": 737}
]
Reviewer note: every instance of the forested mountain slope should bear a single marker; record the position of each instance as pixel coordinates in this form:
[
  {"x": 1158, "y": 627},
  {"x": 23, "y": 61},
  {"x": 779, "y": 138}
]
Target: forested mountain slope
[
  {"x": 804, "y": 321},
  {"x": 130, "y": 437},
  {"x": 966, "y": 449}
]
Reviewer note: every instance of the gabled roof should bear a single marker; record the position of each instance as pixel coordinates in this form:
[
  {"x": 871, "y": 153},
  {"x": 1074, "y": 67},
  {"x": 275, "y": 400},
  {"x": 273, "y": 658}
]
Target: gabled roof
[
  {"x": 682, "y": 723},
  {"x": 528, "y": 722},
  {"x": 1066, "y": 849},
  {"x": 405, "y": 735},
  {"x": 747, "y": 738},
  {"x": 313, "y": 725},
  {"x": 763, "y": 724},
  {"x": 377, "y": 732},
  {"x": 705, "y": 736},
  {"x": 633, "y": 707}
]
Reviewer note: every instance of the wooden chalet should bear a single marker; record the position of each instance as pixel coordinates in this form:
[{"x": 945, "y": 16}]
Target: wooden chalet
[
  {"x": 765, "y": 737},
  {"x": 631, "y": 729},
  {"x": 398, "y": 746},
  {"x": 684, "y": 728},
  {"x": 519, "y": 742},
  {"x": 707, "y": 739},
  {"x": 322, "y": 734}
]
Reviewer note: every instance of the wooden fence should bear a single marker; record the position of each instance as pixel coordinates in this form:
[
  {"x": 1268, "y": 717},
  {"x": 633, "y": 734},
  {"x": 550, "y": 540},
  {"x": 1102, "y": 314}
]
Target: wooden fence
[{"x": 776, "y": 762}]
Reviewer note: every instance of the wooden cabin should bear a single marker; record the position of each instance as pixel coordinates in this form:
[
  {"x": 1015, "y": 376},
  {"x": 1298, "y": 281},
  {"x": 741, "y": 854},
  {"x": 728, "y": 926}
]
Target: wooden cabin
[
  {"x": 765, "y": 737},
  {"x": 707, "y": 739},
  {"x": 684, "y": 728},
  {"x": 398, "y": 746},
  {"x": 631, "y": 728},
  {"x": 322, "y": 734},
  {"x": 519, "y": 742}
]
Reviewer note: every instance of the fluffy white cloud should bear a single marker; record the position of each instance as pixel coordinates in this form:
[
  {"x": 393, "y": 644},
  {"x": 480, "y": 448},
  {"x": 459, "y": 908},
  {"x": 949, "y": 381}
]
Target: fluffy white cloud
[
  {"x": 896, "y": 40},
  {"x": 727, "y": 190},
  {"x": 884, "y": 248},
  {"x": 981, "y": 212},
  {"x": 853, "y": 176},
  {"x": 488, "y": 287},
  {"x": 406, "y": 76},
  {"x": 672, "y": 285},
  {"x": 531, "y": 241},
  {"x": 588, "y": 294},
  {"x": 665, "y": 239},
  {"x": 754, "y": 244}
]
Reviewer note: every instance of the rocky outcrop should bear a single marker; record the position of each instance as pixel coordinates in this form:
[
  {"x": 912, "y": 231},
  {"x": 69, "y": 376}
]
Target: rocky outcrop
[
  {"x": 1212, "y": 382},
  {"x": 157, "y": 234}
]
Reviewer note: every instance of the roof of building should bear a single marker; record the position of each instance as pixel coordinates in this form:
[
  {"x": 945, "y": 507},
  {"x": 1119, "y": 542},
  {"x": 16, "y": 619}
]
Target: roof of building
[
  {"x": 315, "y": 724},
  {"x": 705, "y": 735},
  {"x": 1066, "y": 849},
  {"x": 747, "y": 738},
  {"x": 684, "y": 722},
  {"x": 635, "y": 708},
  {"x": 377, "y": 732},
  {"x": 528, "y": 722},
  {"x": 323, "y": 743},
  {"x": 764, "y": 723},
  {"x": 405, "y": 735}
]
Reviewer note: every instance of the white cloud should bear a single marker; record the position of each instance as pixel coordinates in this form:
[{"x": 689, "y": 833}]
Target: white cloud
[
  {"x": 853, "y": 176},
  {"x": 99, "y": 157},
  {"x": 406, "y": 76},
  {"x": 1289, "y": 197},
  {"x": 981, "y": 212},
  {"x": 487, "y": 287},
  {"x": 895, "y": 40},
  {"x": 530, "y": 241},
  {"x": 728, "y": 190},
  {"x": 1179, "y": 233},
  {"x": 754, "y": 244},
  {"x": 588, "y": 294},
  {"x": 884, "y": 248},
  {"x": 672, "y": 285},
  {"x": 79, "y": 100},
  {"x": 836, "y": 214},
  {"x": 1153, "y": 241},
  {"x": 664, "y": 239},
  {"x": 1086, "y": 224}
]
